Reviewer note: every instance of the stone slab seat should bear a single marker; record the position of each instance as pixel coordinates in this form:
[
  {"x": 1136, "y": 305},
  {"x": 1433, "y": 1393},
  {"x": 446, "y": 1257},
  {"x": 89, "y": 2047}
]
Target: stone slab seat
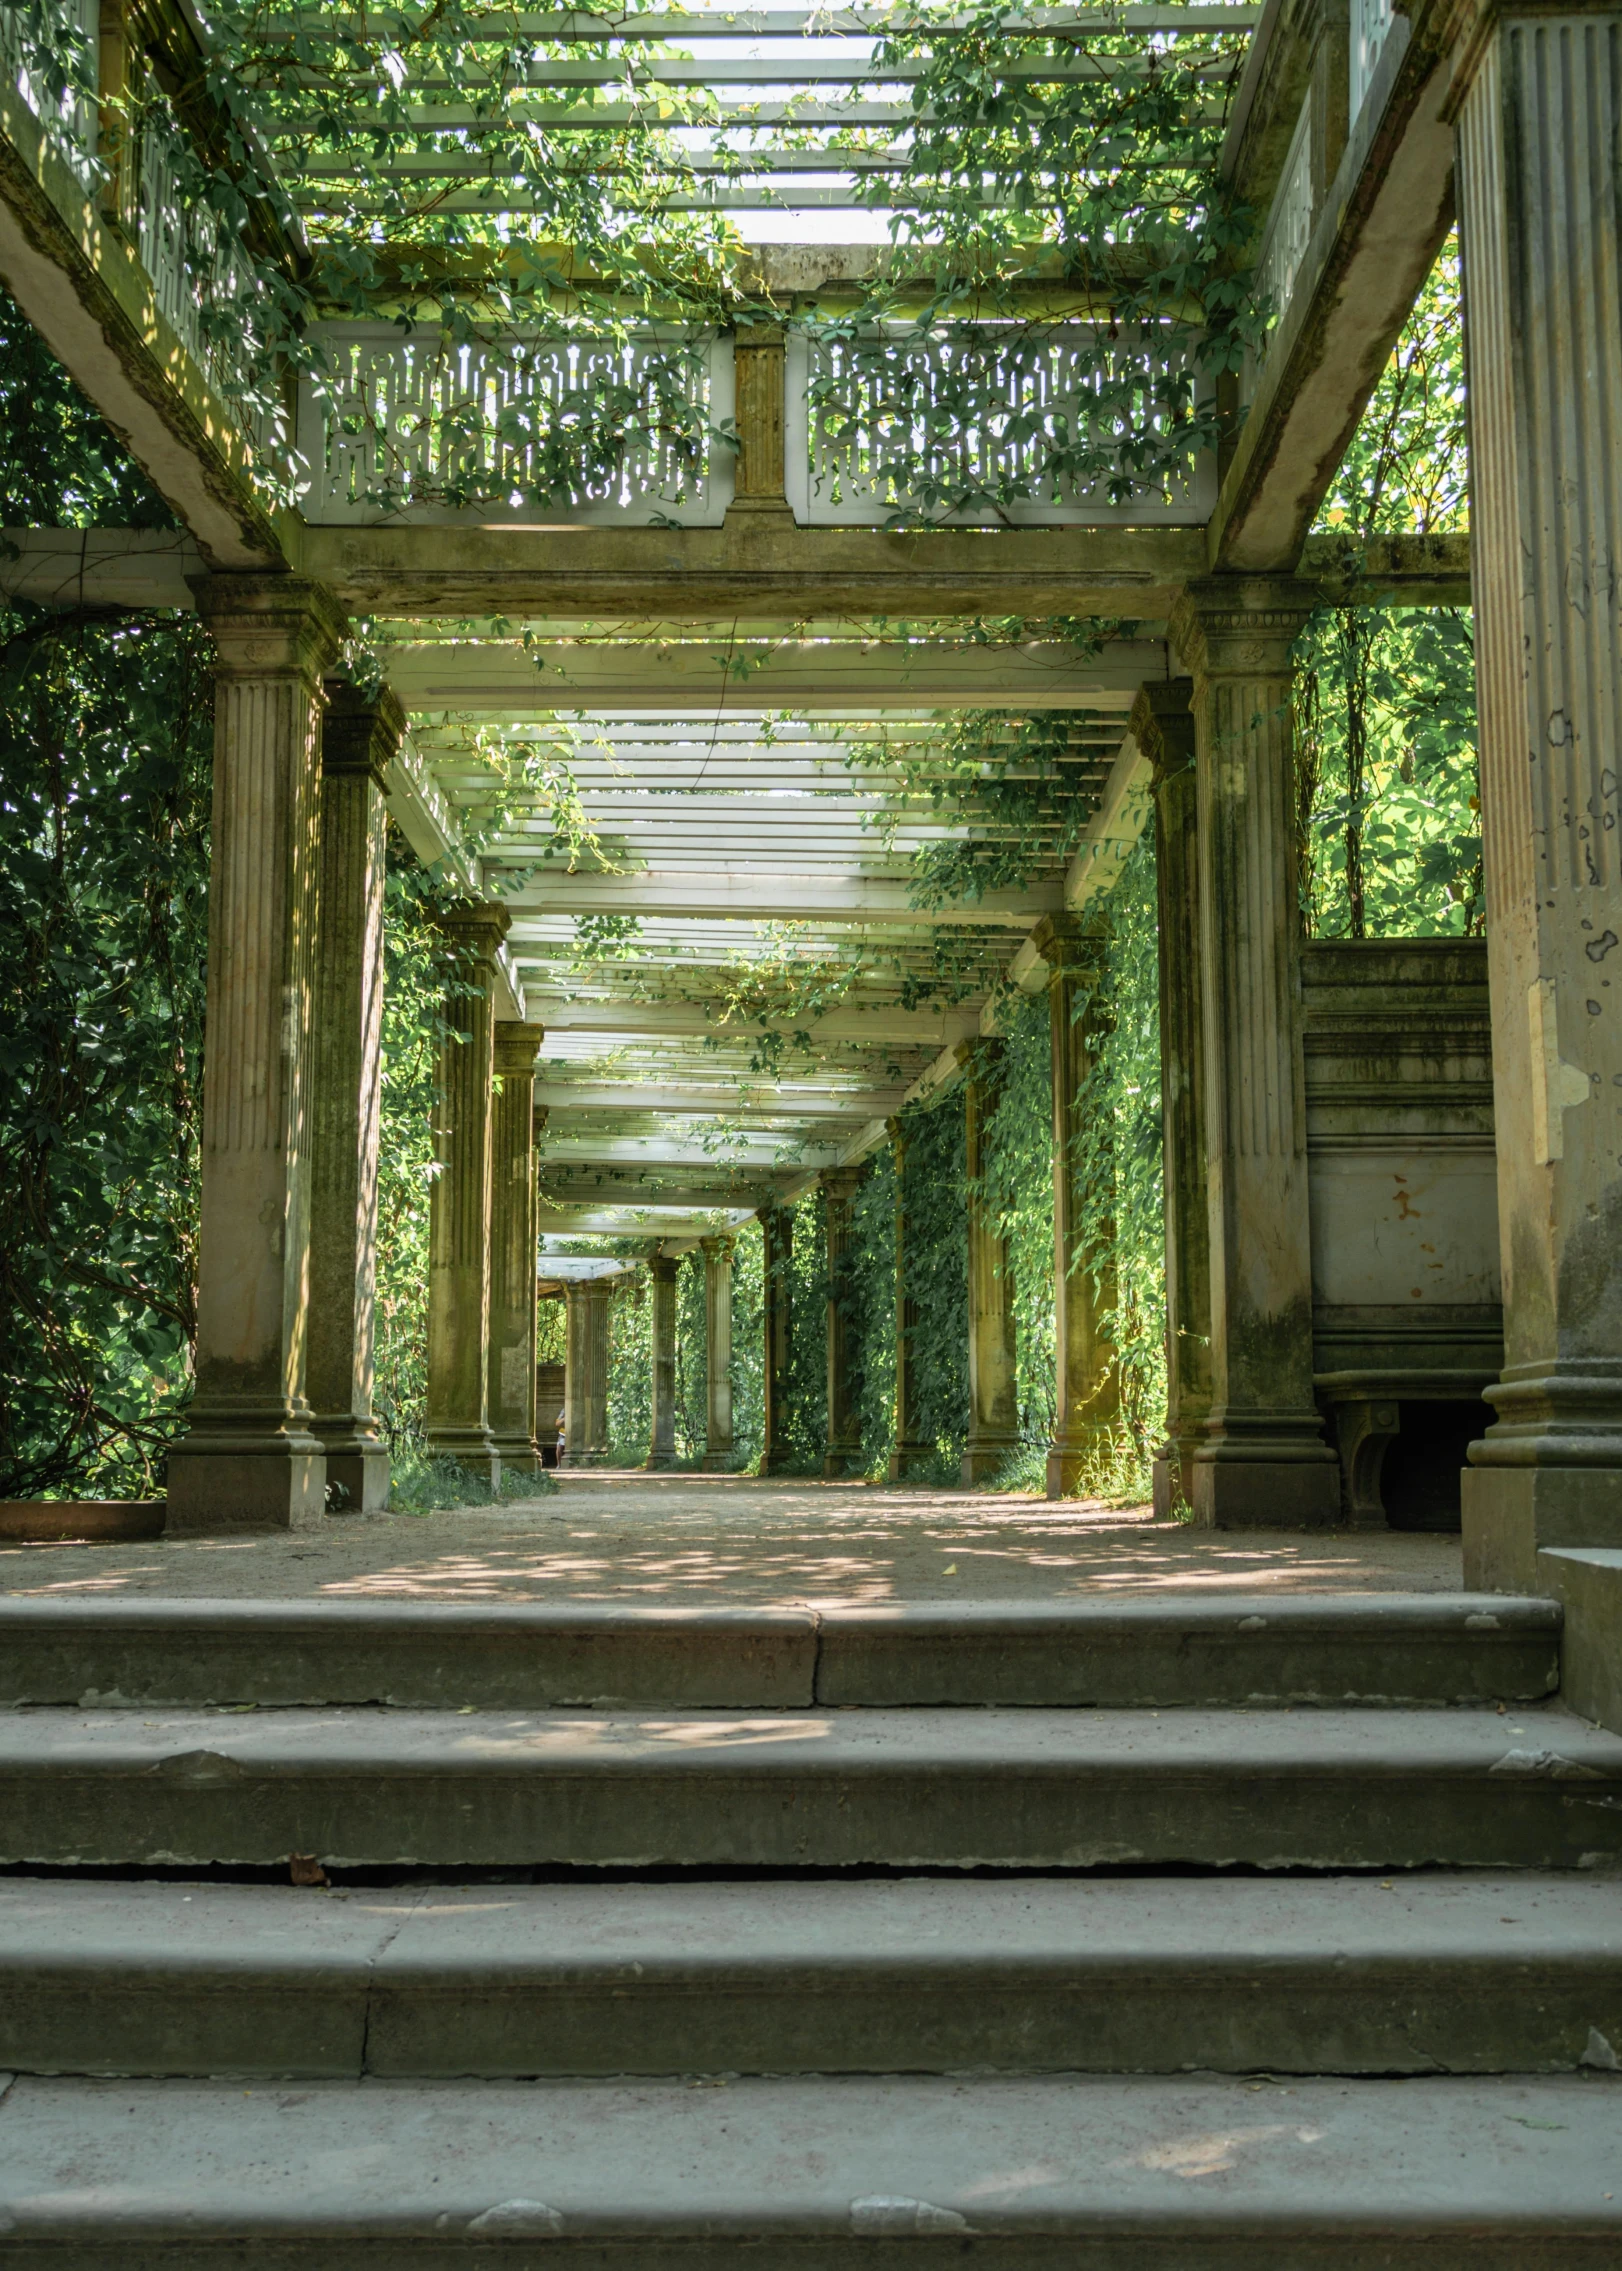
[
  {"x": 1149, "y": 1650},
  {"x": 1325, "y": 1788},
  {"x": 1196, "y": 2174},
  {"x": 1335, "y": 1975}
]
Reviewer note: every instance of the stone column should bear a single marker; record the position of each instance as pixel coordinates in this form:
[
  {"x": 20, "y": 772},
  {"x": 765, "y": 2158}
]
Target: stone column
[
  {"x": 843, "y": 1455},
  {"x": 993, "y": 1382},
  {"x": 585, "y": 1386},
  {"x": 662, "y": 1350},
  {"x": 1087, "y": 1388},
  {"x": 1163, "y": 727},
  {"x": 777, "y": 1235},
  {"x": 359, "y": 737},
  {"x": 1540, "y": 215},
  {"x": 249, "y": 1459},
  {"x": 1263, "y": 1461},
  {"x": 459, "y": 1207},
  {"x": 910, "y": 1452},
  {"x": 717, "y": 1354},
  {"x": 511, "y": 1389}
]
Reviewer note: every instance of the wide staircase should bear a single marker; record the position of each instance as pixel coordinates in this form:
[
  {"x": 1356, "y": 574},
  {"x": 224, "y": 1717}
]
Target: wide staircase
[{"x": 1175, "y": 1933}]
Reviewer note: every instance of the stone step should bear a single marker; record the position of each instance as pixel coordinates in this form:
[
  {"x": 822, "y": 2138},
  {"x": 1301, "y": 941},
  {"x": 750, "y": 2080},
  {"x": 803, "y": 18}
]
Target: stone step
[
  {"x": 1158, "y": 1651},
  {"x": 1533, "y": 1788},
  {"x": 1123, "y": 2174},
  {"x": 1482, "y": 1973}
]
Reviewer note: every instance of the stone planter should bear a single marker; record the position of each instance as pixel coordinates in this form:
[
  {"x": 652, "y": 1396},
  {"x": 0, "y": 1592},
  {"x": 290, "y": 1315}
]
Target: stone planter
[{"x": 94, "y": 1521}]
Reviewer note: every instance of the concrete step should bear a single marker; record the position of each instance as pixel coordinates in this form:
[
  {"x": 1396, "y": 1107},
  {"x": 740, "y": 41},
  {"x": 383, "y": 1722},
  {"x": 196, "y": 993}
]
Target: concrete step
[
  {"x": 1535, "y": 1788},
  {"x": 1159, "y": 1651},
  {"x": 1197, "y": 2174},
  {"x": 1480, "y": 1973}
]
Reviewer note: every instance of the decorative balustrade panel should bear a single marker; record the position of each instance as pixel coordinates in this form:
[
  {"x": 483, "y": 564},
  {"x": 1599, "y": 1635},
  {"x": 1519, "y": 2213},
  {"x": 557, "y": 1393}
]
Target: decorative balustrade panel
[
  {"x": 1370, "y": 26},
  {"x": 422, "y": 427},
  {"x": 1285, "y": 240},
  {"x": 73, "y": 119},
  {"x": 985, "y": 425}
]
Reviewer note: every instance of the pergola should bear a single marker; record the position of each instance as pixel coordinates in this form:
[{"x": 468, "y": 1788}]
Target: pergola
[{"x": 741, "y": 660}]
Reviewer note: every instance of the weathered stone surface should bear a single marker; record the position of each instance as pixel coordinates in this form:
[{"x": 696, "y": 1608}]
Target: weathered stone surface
[
  {"x": 717, "y": 1353},
  {"x": 777, "y": 1233},
  {"x": 1587, "y": 1582},
  {"x": 512, "y": 1247},
  {"x": 585, "y": 1415},
  {"x": 843, "y": 1455},
  {"x": 1009, "y": 1789},
  {"x": 662, "y": 1359},
  {"x": 1211, "y": 2174},
  {"x": 993, "y": 1434},
  {"x": 1330, "y": 1976}
]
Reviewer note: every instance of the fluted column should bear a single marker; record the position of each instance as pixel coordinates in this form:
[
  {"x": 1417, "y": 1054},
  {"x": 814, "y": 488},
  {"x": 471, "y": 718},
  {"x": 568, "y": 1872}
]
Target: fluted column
[
  {"x": 777, "y": 1234},
  {"x": 459, "y": 1206},
  {"x": 360, "y": 735},
  {"x": 1263, "y": 1460},
  {"x": 1163, "y": 726},
  {"x": 843, "y": 1455},
  {"x": 585, "y": 1379},
  {"x": 511, "y": 1390},
  {"x": 662, "y": 1355},
  {"x": 1540, "y": 215},
  {"x": 1087, "y": 1386},
  {"x": 909, "y": 1453},
  {"x": 993, "y": 1380},
  {"x": 717, "y": 1354},
  {"x": 249, "y": 1459}
]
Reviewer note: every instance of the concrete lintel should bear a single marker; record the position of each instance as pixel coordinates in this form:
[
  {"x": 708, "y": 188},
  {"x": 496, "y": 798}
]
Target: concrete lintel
[
  {"x": 759, "y": 1101},
  {"x": 947, "y": 1068},
  {"x": 871, "y": 1137},
  {"x": 85, "y": 292},
  {"x": 882, "y": 1027},
  {"x": 1112, "y": 831},
  {"x": 425, "y": 819},
  {"x": 769, "y": 896},
  {"x": 1382, "y": 224}
]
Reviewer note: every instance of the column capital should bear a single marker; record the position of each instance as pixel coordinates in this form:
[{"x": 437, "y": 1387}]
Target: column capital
[
  {"x": 475, "y": 926},
  {"x": 1237, "y": 626},
  {"x": 542, "y": 1113},
  {"x": 271, "y": 626},
  {"x": 1467, "y": 29},
  {"x": 1162, "y": 725},
  {"x": 361, "y": 733},
  {"x": 718, "y": 1243},
  {"x": 517, "y": 1046},
  {"x": 662, "y": 1268},
  {"x": 1069, "y": 949},
  {"x": 840, "y": 1182}
]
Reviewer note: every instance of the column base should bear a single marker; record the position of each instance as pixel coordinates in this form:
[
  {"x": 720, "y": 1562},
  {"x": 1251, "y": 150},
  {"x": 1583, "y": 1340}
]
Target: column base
[
  {"x": 1267, "y": 1494},
  {"x": 586, "y": 1459},
  {"x": 470, "y": 1447},
  {"x": 1069, "y": 1467},
  {"x": 221, "y": 1492},
  {"x": 985, "y": 1456},
  {"x": 774, "y": 1462},
  {"x": 659, "y": 1462},
  {"x": 908, "y": 1460},
  {"x": 843, "y": 1465},
  {"x": 362, "y": 1475},
  {"x": 1510, "y": 1513},
  {"x": 1173, "y": 1472},
  {"x": 518, "y": 1455},
  {"x": 717, "y": 1462}
]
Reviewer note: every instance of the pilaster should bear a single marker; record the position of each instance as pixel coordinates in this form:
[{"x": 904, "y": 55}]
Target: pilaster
[
  {"x": 249, "y": 1459},
  {"x": 1539, "y": 127},
  {"x": 460, "y": 1205},
  {"x": 1263, "y": 1461},
  {"x": 511, "y": 1386},
  {"x": 777, "y": 1234},
  {"x": 910, "y": 1453},
  {"x": 360, "y": 736},
  {"x": 585, "y": 1386},
  {"x": 717, "y": 1354},
  {"x": 1087, "y": 1388},
  {"x": 1162, "y": 724},
  {"x": 662, "y": 1356},
  {"x": 843, "y": 1455},
  {"x": 993, "y": 1381}
]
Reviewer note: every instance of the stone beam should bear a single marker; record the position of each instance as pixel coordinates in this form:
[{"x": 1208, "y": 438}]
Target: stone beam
[
  {"x": 1380, "y": 227},
  {"x": 761, "y": 1101},
  {"x": 883, "y": 1027},
  {"x": 83, "y": 288}
]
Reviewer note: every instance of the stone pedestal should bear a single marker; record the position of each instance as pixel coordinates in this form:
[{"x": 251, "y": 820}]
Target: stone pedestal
[
  {"x": 1540, "y": 215},
  {"x": 359, "y": 737},
  {"x": 1263, "y": 1461},
  {"x": 662, "y": 1355},
  {"x": 1087, "y": 1398},
  {"x": 459, "y": 1208},
  {"x": 993, "y": 1382},
  {"x": 910, "y": 1453},
  {"x": 585, "y": 1393},
  {"x": 1163, "y": 727},
  {"x": 843, "y": 1455},
  {"x": 249, "y": 1459},
  {"x": 717, "y": 1355},
  {"x": 777, "y": 1234},
  {"x": 511, "y": 1387}
]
